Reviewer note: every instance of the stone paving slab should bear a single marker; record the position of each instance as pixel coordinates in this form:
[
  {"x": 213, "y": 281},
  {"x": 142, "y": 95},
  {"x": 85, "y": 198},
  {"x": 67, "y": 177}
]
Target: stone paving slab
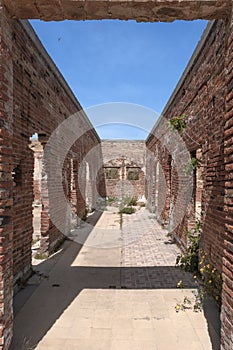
[
  {"x": 83, "y": 304},
  {"x": 138, "y": 319},
  {"x": 148, "y": 255}
]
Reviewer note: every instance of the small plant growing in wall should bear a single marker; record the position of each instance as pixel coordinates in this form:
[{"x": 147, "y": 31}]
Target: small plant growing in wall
[
  {"x": 206, "y": 275},
  {"x": 193, "y": 164},
  {"x": 188, "y": 260},
  {"x": 178, "y": 123},
  {"x": 210, "y": 279}
]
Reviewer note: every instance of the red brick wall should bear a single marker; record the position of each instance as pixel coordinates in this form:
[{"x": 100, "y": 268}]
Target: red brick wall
[
  {"x": 38, "y": 157},
  {"x": 227, "y": 302},
  {"x": 205, "y": 96},
  {"x": 36, "y": 100},
  {"x": 41, "y": 102},
  {"x": 6, "y": 184},
  {"x": 124, "y": 155},
  {"x": 158, "y": 185},
  {"x": 201, "y": 97}
]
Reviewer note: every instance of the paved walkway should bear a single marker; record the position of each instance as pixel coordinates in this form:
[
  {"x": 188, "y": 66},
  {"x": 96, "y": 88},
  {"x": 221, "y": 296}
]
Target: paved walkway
[{"x": 115, "y": 292}]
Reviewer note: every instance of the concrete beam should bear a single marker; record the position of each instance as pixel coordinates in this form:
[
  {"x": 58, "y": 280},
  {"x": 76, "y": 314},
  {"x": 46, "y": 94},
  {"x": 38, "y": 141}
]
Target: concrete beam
[{"x": 139, "y": 10}]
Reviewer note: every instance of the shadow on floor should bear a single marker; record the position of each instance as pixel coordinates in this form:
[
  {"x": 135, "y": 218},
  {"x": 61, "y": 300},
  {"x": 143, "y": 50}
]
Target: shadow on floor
[
  {"x": 212, "y": 316},
  {"x": 65, "y": 283}
]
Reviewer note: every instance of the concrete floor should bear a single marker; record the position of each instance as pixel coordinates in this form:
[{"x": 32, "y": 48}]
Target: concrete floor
[{"x": 117, "y": 291}]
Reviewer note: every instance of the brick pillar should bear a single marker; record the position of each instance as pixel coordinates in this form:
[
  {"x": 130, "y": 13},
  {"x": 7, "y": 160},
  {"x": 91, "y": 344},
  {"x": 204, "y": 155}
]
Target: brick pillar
[
  {"x": 151, "y": 161},
  {"x": 53, "y": 232},
  {"x": 45, "y": 221},
  {"x": 227, "y": 294},
  {"x": 6, "y": 183}
]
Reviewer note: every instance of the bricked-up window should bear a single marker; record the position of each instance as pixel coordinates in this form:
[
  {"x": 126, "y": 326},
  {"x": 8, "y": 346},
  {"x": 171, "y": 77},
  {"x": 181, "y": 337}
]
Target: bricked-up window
[
  {"x": 133, "y": 174},
  {"x": 112, "y": 173}
]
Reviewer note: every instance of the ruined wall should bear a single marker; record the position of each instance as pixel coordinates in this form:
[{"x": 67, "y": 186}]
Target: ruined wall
[
  {"x": 42, "y": 100},
  {"x": 204, "y": 95},
  {"x": 126, "y": 160},
  {"x": 6, "y": 183},
  {"x": 201, "y": 97},
  {"x": 86, "y": 178},
  {"x": 227, "y": 305},
  {"x": 158, "y": 184}
]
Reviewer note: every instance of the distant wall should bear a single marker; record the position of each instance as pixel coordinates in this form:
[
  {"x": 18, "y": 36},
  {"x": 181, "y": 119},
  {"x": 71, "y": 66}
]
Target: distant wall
[{"x": 124, "y": 168}]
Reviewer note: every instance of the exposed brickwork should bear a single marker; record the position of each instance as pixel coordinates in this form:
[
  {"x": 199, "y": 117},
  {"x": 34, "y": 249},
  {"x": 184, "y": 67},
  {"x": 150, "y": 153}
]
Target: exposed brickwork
[
  {"x": 6, "y": 230},
  {"x": 35, "y": 99},
  {"x": 39, "y": 96},
  {"x": 227, "y": 304},
  {"x": 124, "y": 156},
  {"x": 204, "y": 95},
  {"x": 156, "y": 10},
  {"x": 201, "y": 98},
  {"x": 158, "y": 187}
]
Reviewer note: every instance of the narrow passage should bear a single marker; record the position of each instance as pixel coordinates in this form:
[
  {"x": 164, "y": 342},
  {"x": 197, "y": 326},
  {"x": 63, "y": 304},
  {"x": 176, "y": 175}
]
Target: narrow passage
[{"x": 117, "y": 291}]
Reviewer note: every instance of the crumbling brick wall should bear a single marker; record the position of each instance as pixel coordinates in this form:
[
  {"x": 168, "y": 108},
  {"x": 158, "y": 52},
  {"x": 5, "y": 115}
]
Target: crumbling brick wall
[
  {"x": 6, "y": 183},
  {"x": 201, "y": 98},
  {"x": 124, "y": 156},
  {"x": 34, "y": 99},
  {"x": 204, "y": 95},
  {"x": 227, "y": 296},
  {"x": 41, "y": 101}
]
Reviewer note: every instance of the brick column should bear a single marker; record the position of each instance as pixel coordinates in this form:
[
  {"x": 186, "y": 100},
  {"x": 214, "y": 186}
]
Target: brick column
[
  {"x": 45, "y": 220},
  {"x": 6, "y": 183},
  {"x": 51, "y": 235},
  {"x": 227, "y": 295}
]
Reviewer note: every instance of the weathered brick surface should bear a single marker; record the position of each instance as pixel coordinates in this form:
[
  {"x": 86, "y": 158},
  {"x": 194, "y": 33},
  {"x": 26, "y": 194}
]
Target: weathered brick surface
[
  {"x": 227, "y": 304},
  {"x": 124, "y": 155},
  {"x": 158, "y": 187},
  {"x": 6, "y": 184},
  {"x": 204, "y": 94},
  {"x": 201, "y": 97},
  {"x": 156, "y": 10},
  {"x": 40, "y": 95},
  {"x": 34, "y": 99}
]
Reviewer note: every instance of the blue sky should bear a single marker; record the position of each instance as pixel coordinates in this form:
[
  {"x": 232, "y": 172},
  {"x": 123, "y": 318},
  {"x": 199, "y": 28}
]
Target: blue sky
[{"x": 117, "y": 61}]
